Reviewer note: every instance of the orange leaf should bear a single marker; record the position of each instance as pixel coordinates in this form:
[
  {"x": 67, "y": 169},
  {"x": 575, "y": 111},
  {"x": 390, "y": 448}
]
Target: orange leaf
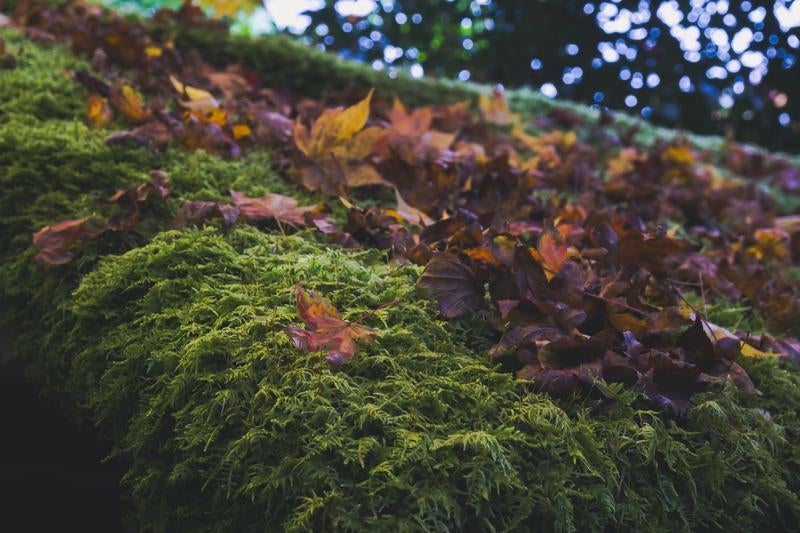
[
  {"x": 240, "y": 131},
  {"x": 332, "y": 128},
  {"x": 409, "y": 213},
  {"x": 552, "y": 249},
  {"x": 127, "y": 101},
  {"x": 98, "y": 111},
  {"x": 325, "y": 328}
]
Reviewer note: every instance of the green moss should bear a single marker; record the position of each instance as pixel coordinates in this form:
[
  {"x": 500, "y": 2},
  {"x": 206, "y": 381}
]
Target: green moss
[
  {"x": 43, "y": 69},
  {"x": 178, "y": 350},
  {"x": 53, "y": 167},
  {"x": 174, "y": 345}
]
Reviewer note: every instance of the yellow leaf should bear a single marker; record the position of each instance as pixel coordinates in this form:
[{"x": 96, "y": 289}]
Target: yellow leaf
[
  {"x": 153, "y": 51},
  {"x": 337, "y": 125},
  {"x": 241, "y": 130},
  {"x": 622, "y": 163},
  {"x": 179, "y": 87},
  {"x": 98, "y": 111},
  {"x": 495, "y": 108},
  {"x": 302, "y": 138},
  {"x": 333, "y": 133},
  {"x": 127, "y": 102},
  {"x": 359, "y": 145},
  {"x": 199, "y": 100},
  {"x": 679, "y": 154},
  {"x": 773, "y": 243},
  {"x": 228, "y": 8}
]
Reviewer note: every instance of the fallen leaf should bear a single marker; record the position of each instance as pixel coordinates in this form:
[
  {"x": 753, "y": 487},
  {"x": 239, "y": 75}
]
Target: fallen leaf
[
  {"x": 325, "y": 329},
  {"x": 411, "y": 214},
  {"x": 332, "y": 128},
  {"x": 53, "y": 241},
  {"x": 127, "y": 101},
  {"x": 453, "y": 284},
  {"x": 98, "y": 111},
  {"x": 283, "y": 209}
]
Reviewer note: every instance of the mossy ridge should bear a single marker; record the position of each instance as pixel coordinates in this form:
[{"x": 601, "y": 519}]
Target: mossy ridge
[{"x": 178, "y": 350}]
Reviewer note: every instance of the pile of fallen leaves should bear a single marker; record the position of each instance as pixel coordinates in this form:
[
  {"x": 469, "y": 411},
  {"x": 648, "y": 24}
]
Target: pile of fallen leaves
[{"x": 577, "y": 244}]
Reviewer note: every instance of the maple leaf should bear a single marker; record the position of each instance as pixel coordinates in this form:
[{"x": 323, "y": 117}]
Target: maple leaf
[
  {"x": 336, "y": 147},
  {"x": 411, "y": 137},
  {"x": 283, "y": 209},
  {"x": 325, "y": 329},
  {"x": 53, "y": 241},
  {"x": 332, "y": 128},
  {"x": 198, "y": 99},
  {"x": 412, "y": 124}
]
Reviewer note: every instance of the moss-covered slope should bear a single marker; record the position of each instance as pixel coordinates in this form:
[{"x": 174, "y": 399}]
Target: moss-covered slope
[{"x": 173, "y": 343}]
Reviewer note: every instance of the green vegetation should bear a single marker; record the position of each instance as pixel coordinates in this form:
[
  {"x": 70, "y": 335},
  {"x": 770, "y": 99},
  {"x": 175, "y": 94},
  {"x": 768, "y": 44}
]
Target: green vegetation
[{"x": 173, "y": 343}]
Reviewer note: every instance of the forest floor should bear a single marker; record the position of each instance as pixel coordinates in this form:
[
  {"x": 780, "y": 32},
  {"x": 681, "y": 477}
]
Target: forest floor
[{"x": 246, "y": 262}]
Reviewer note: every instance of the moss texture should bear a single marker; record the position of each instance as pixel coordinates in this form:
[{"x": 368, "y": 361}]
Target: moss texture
[{"x": 173, "y": 344}]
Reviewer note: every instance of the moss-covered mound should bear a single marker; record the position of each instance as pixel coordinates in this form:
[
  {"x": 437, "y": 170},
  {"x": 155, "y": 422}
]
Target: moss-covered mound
[{"x": 173, "y": 343}]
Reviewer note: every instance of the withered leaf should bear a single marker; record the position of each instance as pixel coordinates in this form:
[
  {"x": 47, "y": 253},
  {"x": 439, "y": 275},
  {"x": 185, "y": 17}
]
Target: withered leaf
[
  {"x": 453, "y": 284},
  {"x": 53, "y": 241},
  {"x": 552, "y": 249},
  {"x": 332, "y": 128},
  {"x": 325, "y": 329},
  {"x": 199, "y": 211},
  {"x": 98, "y": 112},
  {"x": 127, "y": 101},
  {"x": 283, "y": 209},
  {"x": 154, "y": 134}
]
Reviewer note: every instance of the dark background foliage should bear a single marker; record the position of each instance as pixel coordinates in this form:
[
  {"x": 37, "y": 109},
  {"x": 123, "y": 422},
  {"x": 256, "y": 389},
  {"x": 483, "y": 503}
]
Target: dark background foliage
[{"x": 707, "y": 66}]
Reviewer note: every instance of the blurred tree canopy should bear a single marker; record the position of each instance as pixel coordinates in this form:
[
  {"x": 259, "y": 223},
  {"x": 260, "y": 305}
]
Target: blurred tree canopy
[{"x": 709, "y": 66}]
